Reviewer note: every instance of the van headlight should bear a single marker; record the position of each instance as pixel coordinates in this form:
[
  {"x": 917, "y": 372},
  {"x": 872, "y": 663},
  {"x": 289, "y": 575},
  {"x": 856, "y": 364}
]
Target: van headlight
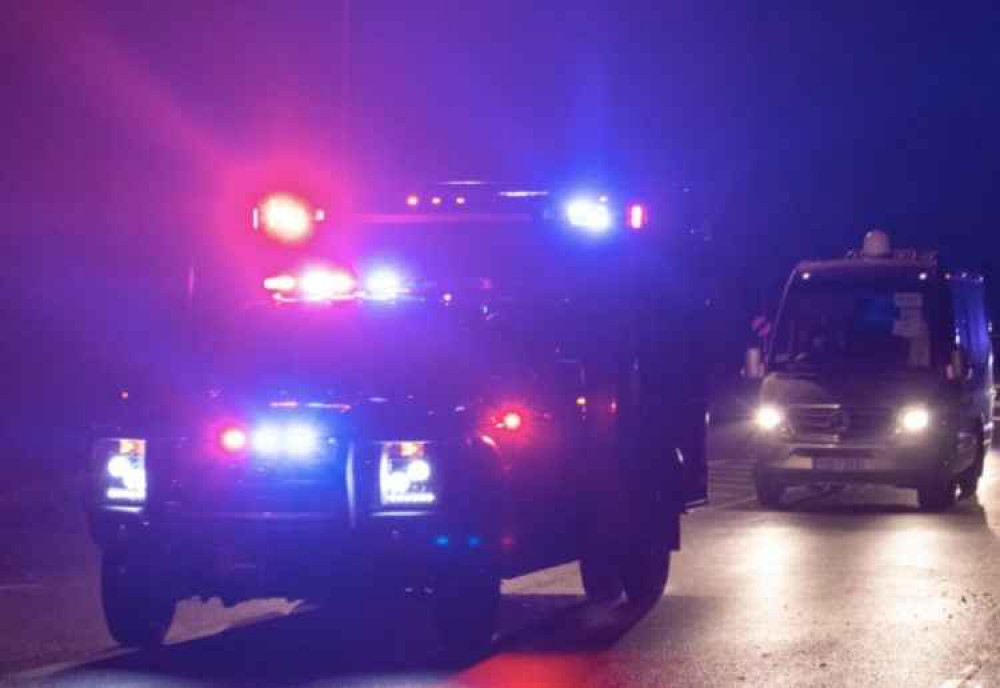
[
  {"x": 122, "y": 463},
  {"x": 406, "y": 474},
  {"x": 769, "y": 418},
  {"x": 914, "y": 419}
]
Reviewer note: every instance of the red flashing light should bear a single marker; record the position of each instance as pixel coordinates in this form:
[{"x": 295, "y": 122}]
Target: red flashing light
[
  {"x": 280, "y": 283},
  {"x": 285, "y": 218},
  {"x": 637, "y": 216},
  {"x": 321, "y": 284},
  {"x": 413, "y": 200},
  {"x": 233, "y": 440},
  {"x": 512, "y": 421}
]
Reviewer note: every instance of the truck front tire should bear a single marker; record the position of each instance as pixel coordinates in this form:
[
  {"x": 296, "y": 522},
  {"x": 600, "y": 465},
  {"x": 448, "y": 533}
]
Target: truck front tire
[
  {"x": 466, "y": 610},
  {"x": 138, "y": 607},
  {"x": 644, "y": 574},
  {"x": 601, "y": 579}
]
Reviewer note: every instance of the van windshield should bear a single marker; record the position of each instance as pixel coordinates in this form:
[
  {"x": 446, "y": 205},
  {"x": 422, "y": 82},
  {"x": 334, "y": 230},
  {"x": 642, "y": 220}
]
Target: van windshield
[{"x": 865, "y": 325}]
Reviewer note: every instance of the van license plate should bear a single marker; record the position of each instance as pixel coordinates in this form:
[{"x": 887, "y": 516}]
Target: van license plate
[{"x": 839, "y": 464}]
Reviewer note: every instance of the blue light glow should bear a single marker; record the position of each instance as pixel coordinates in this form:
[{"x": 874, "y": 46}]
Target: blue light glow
[
  {"x": 267, "y": 440},
  {"x": 384, "y": 285},
  {"x": 589, "y": 215},
  {"x": 301, "y": 440},
  {"x": 298, "y": 440}
]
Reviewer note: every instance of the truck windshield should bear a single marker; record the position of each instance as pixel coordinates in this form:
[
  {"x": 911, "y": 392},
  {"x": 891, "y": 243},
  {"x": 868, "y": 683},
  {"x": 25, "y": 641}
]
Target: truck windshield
[
  {"x": 362, "y": 348},
  {"x": 866, "y": 325}
]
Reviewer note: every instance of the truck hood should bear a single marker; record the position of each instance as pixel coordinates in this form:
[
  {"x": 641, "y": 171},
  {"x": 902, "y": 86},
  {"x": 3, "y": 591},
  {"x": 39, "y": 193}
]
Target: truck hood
[{"x": 378, "y": 414}]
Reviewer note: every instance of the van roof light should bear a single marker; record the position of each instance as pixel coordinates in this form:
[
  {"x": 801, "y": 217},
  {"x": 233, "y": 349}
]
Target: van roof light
[{"x": 876, "y": 245}]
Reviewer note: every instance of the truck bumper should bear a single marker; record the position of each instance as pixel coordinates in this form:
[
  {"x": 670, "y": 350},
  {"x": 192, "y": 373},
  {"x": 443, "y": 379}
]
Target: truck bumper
[{"x": 241, "y": 556}]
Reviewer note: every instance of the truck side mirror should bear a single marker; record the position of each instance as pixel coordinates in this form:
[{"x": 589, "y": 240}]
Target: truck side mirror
[{"x": 753, "y": 367}]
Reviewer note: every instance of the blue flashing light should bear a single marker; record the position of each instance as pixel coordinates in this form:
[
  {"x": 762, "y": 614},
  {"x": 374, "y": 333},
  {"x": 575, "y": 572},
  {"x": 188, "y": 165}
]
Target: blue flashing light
[
  {"x": 384, "y": 285},
  {"x": 442, "y": 541},
  {"x": 589, "y": 214},
  {"x": 475, "y": 541}
]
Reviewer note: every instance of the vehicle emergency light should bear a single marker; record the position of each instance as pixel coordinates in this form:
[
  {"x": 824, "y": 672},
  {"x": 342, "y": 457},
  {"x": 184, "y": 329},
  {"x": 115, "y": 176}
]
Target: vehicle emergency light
[
  {"x": 636, "y": 216},
  {"x": 286, "y": 218},
  {"x": 384, "y": 285},
  {"x": 876, "y": 245},
  {"x": 319, "y": 284},
  {"x": 233, "y": 439},
  {"x": 280, "y": 283},
  {"x": 511, "y": 421},
  {"x": 589, "y": 214}
]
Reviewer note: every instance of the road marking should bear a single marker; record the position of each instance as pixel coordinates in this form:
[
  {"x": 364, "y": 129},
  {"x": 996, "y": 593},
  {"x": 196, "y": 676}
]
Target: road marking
[
  {"x": 12, "y": 587},
  {"x": 111, "y": 653},
  {"x": 60, "y": 667},
  {"x": 742, "y": 500},
  {"x": 967, "y": 674}
]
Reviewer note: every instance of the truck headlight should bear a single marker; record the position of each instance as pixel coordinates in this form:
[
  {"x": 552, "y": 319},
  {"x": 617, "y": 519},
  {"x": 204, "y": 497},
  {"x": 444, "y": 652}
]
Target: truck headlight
[
  {"x": 406, "y": 474},
  {"x": 769, "y": 418},
  {"x": 123, "y": 464},
  {"x": 914, "y": 419}
]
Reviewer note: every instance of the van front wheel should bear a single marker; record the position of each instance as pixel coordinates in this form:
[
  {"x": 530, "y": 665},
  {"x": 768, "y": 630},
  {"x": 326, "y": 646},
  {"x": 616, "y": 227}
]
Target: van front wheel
[
  {"x": 769, "y": 493},
  {"x": 937, "y": 496}
]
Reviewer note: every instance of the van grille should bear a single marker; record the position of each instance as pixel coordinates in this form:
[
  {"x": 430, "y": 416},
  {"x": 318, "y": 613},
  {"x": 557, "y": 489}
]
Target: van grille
[{"x": 836, "y": 423}]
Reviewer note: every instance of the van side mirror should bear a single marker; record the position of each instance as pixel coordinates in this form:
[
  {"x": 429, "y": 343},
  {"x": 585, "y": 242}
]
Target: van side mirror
[
  {"x": 753, "y": 366},
  {"x": 958, "y": 368}
]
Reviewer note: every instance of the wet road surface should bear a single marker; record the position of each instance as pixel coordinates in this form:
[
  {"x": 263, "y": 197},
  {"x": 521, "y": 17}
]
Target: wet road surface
[{"x": 857, "y": 589}]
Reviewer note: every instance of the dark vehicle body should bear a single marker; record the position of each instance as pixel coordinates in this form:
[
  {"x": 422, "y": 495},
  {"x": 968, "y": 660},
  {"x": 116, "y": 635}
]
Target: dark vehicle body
[
  {"x": 880, "y": 371},
  {"x": 550, "y": 389}
]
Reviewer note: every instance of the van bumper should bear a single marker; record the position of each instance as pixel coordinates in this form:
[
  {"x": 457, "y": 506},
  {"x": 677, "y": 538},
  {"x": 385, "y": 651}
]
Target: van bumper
[{"x": 909, "y": 465}]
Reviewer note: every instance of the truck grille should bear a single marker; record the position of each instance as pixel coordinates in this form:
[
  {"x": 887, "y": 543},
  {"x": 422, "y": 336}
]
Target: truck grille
[
  {"x": 836, "y": 423},
  {"x": 206, "y": 483}
]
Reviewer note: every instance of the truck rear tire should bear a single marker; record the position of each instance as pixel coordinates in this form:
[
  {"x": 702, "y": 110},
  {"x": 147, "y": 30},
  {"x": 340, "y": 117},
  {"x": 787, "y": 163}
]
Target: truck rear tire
[
  {"x": 644, "y": 574},
  {"x": 138, "y": 608},
  {"x": 466, "y": 610},
  {"x": 601, "y": 579}
]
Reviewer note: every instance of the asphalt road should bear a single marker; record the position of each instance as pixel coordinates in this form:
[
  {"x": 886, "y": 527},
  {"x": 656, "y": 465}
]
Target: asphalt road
[{"x": 858, "y": 589}]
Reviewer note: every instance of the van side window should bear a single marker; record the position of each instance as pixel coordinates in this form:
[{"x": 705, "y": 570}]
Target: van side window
[
  {"x": 970, "y": 322},
  {"x": 980, "y": 335},
  {"x": 959, "y": 307}
]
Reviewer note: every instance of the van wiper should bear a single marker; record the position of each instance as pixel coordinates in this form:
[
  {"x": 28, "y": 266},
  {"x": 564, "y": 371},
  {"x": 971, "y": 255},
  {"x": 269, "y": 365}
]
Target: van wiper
[{"x": 802, "y": 368}]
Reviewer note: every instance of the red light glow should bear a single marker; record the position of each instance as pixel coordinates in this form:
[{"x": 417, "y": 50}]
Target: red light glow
[
  {"x": 413, "y": 200},
  {"x": 233, "y": 440},
  {"x": 280, "y": 283},
  {"x": 511, "y": 421},
  {"x": 636, "y": 216},
  {"x": 286, "y": 218},
  {"x": 321, "y": 284}
]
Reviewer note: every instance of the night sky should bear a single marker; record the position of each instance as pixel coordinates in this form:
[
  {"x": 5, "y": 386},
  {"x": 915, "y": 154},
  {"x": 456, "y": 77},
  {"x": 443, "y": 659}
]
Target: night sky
[{"x": 134, "y": 132}]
